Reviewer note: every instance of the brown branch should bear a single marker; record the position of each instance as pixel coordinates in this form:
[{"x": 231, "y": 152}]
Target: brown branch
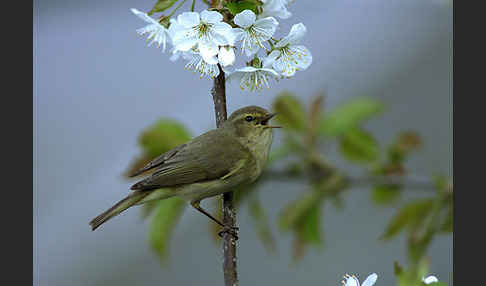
[{"x": 229, "y": 214}]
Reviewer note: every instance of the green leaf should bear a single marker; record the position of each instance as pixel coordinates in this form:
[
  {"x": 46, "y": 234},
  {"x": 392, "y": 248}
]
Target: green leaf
[
  {"x": 410, "y": 215},
  {"x": 408, "y": 141},
  {"x": 385, "y": 193},
  {"x": 257, "y": 213},
  {"x": 420, "y": 269},
  {"x": 162, "y": 5},
  {"x": 417, "y": 245},
  {"x": 291, "y": 113},
  {"x": 292, "y": 213},
  {"x": 414, "y": 274},
  {"x": 136, "y": 164},
  {"x": 157, "y": 139},
  {"x": 405, "y": 143},
  {"x": 148, "y": 208},
  {"x": 162, "y": 136},
  {"x": 350, "y": 115},
  {"x": 359, "y": 146},
  {"x": 307, "y": 230},
  {"x": 238, "y": 7},
  {"x": 447, "y": 224},
  {"x": 441, "y": 183},
  {"x": 438, "y": 283},
  {"x": 397, "y": 269},
  {"x": 167, "y": 213},
  {"x": 311, "y": 226}
]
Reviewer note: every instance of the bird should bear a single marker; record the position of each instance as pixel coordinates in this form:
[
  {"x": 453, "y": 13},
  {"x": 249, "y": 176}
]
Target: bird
[{"x": 210, "y": 164}]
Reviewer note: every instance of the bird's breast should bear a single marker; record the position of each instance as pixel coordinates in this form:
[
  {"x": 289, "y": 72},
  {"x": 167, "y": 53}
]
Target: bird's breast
[{"x": 260, "y": 148}]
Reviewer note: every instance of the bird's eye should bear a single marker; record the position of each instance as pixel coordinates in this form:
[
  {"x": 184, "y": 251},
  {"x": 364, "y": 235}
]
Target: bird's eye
[{"x": 249, "y": 118}]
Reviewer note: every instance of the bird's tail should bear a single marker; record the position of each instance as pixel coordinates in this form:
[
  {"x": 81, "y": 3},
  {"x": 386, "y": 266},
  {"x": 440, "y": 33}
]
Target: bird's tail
[{"x": 135, "y": 198}]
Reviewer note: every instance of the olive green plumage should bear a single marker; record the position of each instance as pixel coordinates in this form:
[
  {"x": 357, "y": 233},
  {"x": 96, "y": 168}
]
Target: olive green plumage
[{"x": 208, "y": 165}]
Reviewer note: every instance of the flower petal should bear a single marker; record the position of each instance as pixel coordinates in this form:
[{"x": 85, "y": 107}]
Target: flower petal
[
  {"x": 273, "y": 72},
  {"x": 208, "y": 50},
  {"x": 370, "y": 280},
  {"x": 189, "y": 55},
  {"x": 430, "y": 279},
  {"x": 239, "y": 33},
  {"x": 188, "y": 19},
  {"x": 296, "y": 33},
  {"x": 284, "y": 67},
  {"x": 245, "y": 19},
  {"x": 175, "y": 55},
  {"x": 156, "y": 32},
  {"x": 351, "y": 281},
  {"x": 275, "y": 8},
  {"x": 212, "y": 17},
  {"x": 226, "y": 56},
  {"x": 217, "y": 38},
  {"x": 222, "y": 28},
  {"x": 212, "y": 61},
  {"x": 147, "y": 29},
  {"x": 270, "y": 59},
  {"x": 246, "y": 69},
  {"x": 184, "y": 43},
  {"x": 233, "y": 36},
  {"x": 196, "y": 63},
  {"x": 144, "y": 16},
  {"x": 268, "y": 25},
  {"x": 302, "y": 56},
  {"x": 175, "y": 28}
]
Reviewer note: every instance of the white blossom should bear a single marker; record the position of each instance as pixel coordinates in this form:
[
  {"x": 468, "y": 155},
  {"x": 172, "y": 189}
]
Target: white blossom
[
  {"x": 253, "y": 32},
  {"x": 176, "y": 54},
  {"x": 196, "y": 63},
  {"x": 205, "y": 32},
  {"x": 430, "y": 279},
  {"x": 226, "y": 54},
  {"x": 353, "y": 281},
  {"x": 157, "y": 32},
  {"x": 252, "y": 78},
  {"x": 287, "y": 56},
  {"x": 275, "y": 8}
]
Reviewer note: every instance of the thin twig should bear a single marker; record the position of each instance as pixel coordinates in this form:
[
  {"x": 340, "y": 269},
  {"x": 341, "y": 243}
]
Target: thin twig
[{"x": 229, "y": 213}]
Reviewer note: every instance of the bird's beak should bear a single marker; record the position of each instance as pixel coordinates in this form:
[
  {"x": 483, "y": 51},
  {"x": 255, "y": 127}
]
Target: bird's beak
[{"x": 267, "y": 118}]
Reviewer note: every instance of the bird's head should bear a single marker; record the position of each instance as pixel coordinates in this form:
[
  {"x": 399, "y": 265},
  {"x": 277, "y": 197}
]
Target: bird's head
[{"x": 251, "y": 122}]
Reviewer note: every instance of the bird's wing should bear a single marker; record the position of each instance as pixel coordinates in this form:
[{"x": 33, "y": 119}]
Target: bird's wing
[
  {"x": 199, "y": 161},
  {"x": 159, "y": 160}
]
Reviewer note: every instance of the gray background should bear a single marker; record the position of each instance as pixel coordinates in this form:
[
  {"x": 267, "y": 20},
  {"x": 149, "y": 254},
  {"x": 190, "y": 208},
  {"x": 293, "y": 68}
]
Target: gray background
[{"x": 96, "y": 86}]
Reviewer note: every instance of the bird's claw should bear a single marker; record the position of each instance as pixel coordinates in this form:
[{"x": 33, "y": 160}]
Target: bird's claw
[{"x": 233, "y": 230}]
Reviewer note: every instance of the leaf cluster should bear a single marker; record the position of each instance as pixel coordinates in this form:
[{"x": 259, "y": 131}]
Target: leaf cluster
[{"x": 422, "y": 220}]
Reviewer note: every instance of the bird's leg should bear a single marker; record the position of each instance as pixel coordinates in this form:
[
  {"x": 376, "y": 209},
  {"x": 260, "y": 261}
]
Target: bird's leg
[
  {"x": 198, "y": 207},
  {"x": 229, "y": 229}
]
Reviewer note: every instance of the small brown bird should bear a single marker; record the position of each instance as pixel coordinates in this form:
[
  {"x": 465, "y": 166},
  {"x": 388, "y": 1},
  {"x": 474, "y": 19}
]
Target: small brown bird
[{"x": 208, "y": 165}]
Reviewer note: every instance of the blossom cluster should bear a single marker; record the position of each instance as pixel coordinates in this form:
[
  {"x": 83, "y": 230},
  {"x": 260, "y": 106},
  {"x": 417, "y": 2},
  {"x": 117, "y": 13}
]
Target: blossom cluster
[
  {"x": 352, "y": 280},
  {"x": 206, "y": 42}
]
